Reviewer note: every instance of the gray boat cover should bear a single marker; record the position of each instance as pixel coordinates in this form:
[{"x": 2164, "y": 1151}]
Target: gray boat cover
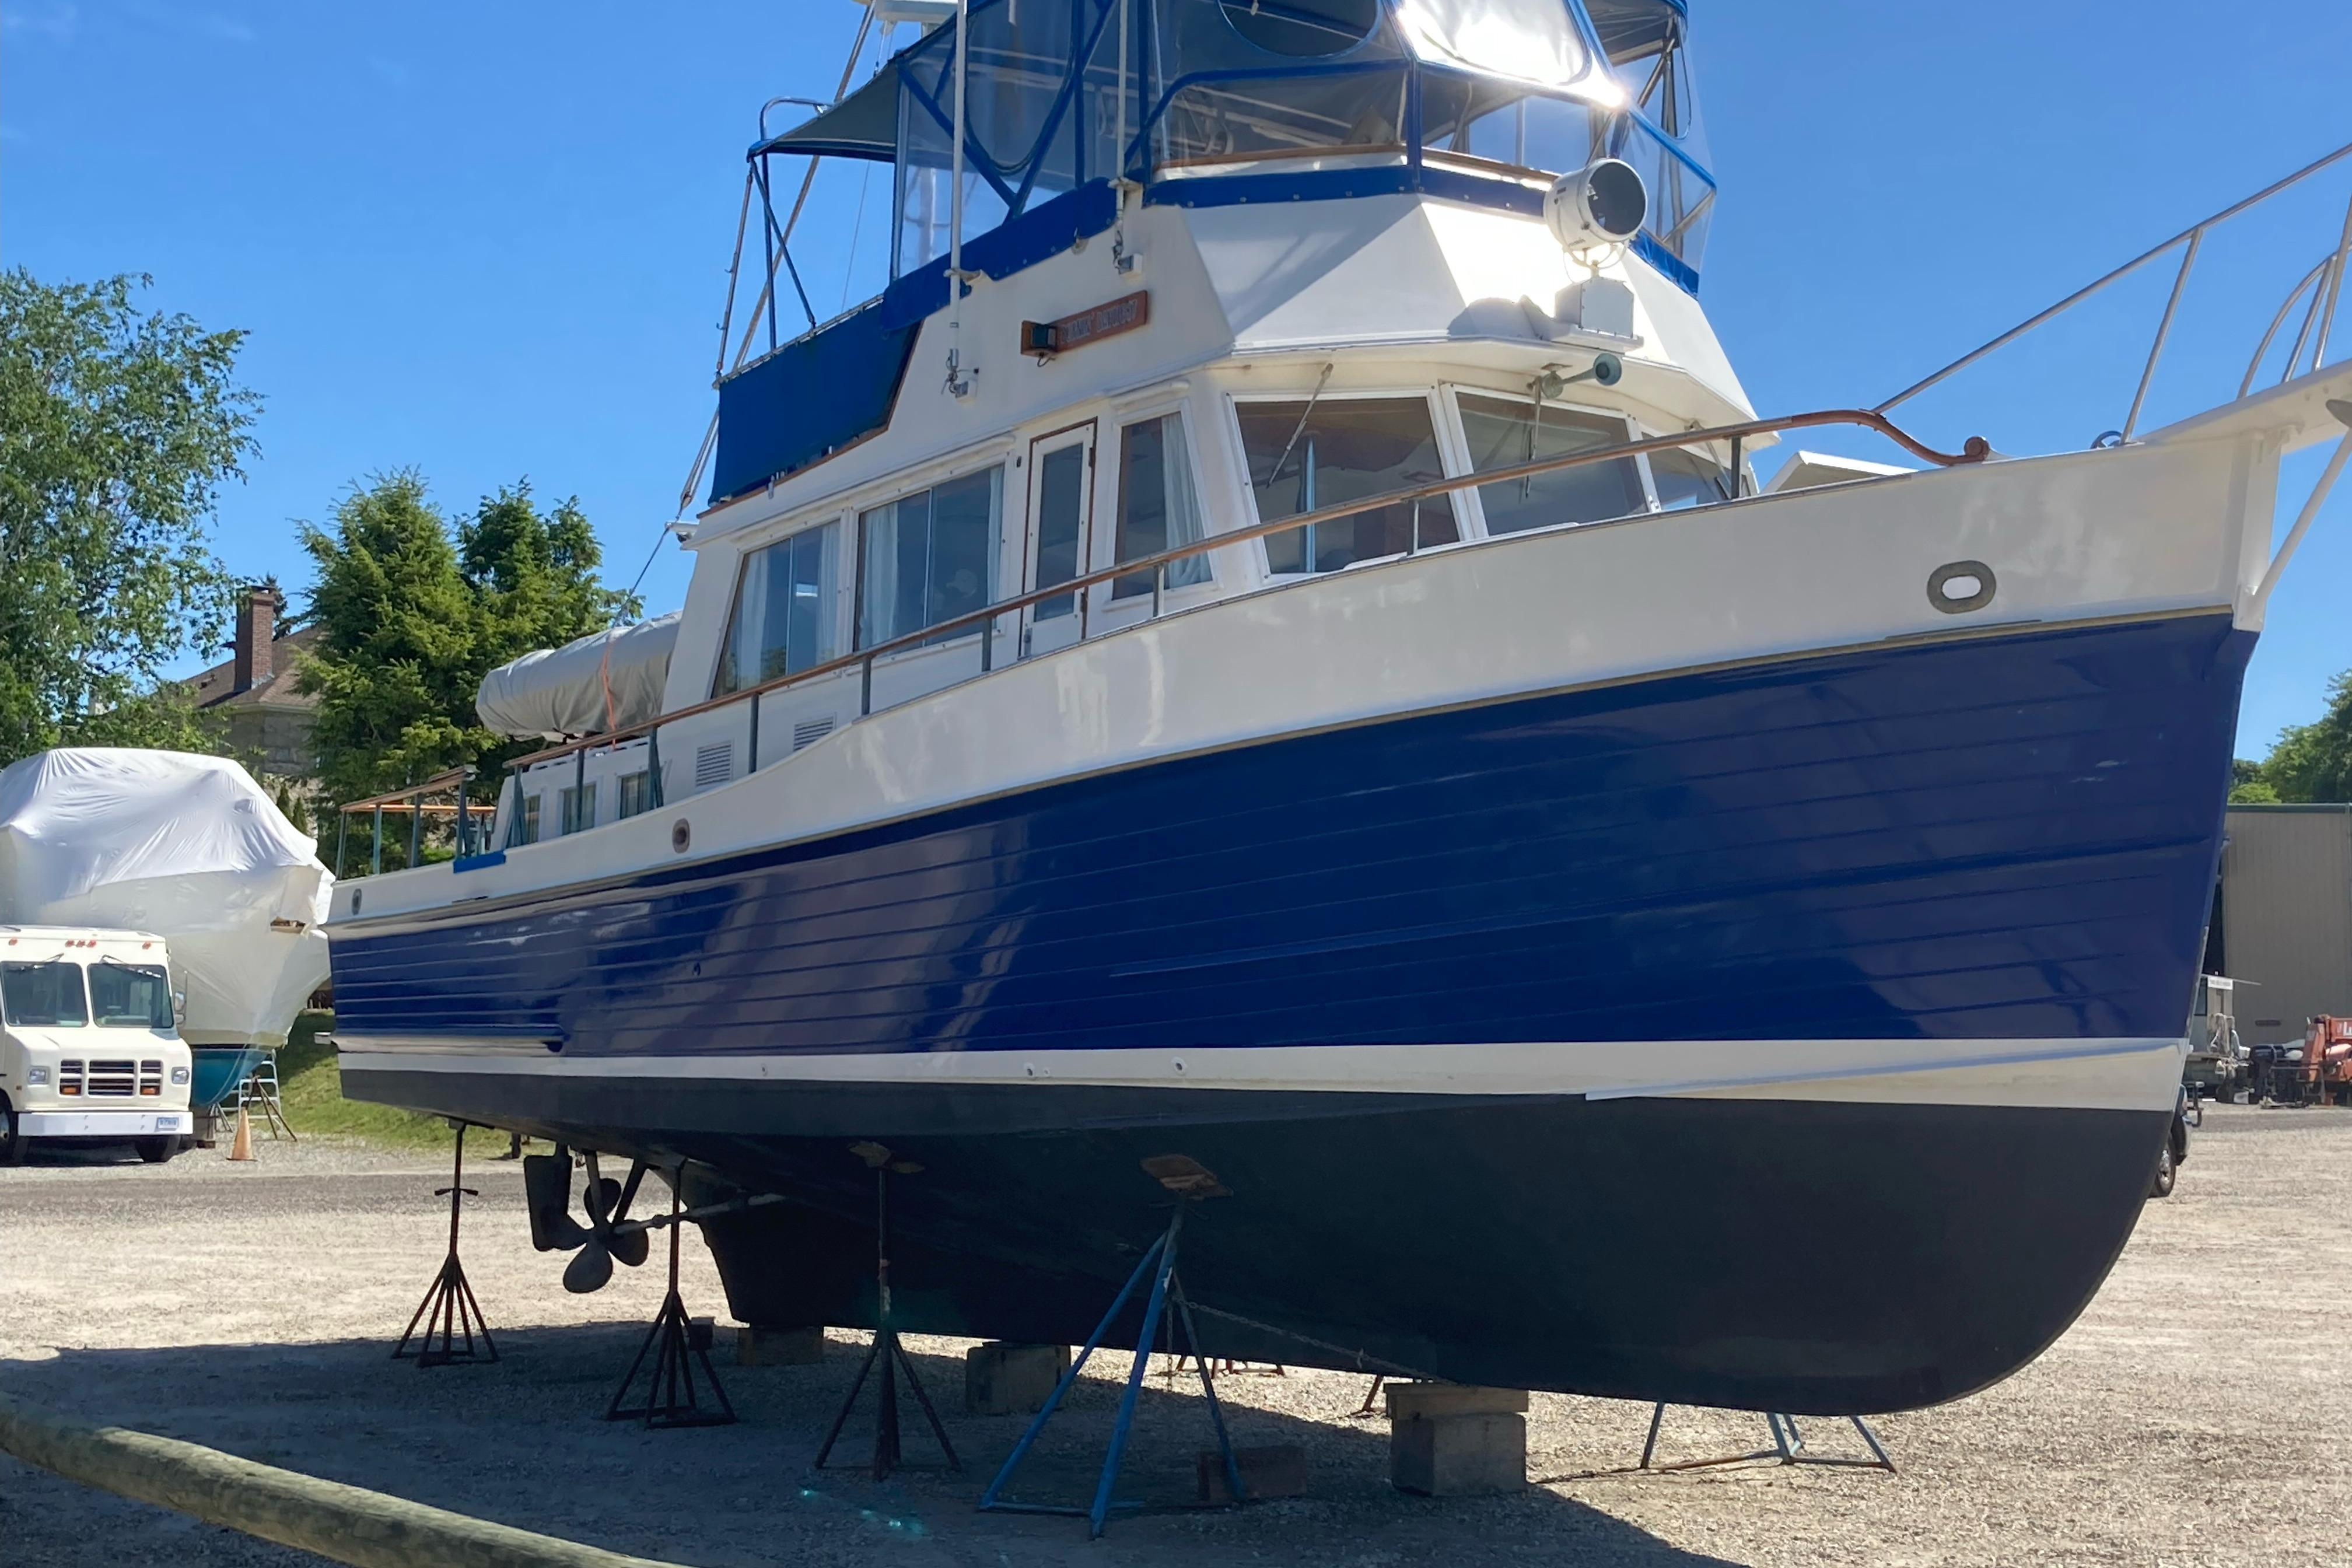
[{"x": 606, "y": 680}]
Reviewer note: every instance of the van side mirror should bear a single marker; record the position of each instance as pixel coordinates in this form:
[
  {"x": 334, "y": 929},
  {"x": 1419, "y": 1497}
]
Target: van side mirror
[{"x": 179, "y": 1008}]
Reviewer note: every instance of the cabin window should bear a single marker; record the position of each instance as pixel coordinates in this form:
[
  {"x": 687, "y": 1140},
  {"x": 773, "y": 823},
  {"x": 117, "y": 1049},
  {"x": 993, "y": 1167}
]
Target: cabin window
[
  {"x": 578, "y": 807},
  {"x": 43, "y": 995},
  {"x": 1686, "y": 479},
  {"x": 1505, "y": 432},
  {"x": 1304, "y": 457},
  {"x": 1158, "y": 507},
  {"x": 129, "y": 995},
  {"x": 636, "y": 792},
  {"x": 929, "y": 558},
  {"x": 783, "y": 620},
  {"x": 527, "y": 823}
]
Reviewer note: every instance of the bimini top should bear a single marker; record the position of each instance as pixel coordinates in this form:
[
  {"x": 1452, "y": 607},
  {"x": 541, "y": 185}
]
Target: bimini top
[{"x": 1313, "y": 93}]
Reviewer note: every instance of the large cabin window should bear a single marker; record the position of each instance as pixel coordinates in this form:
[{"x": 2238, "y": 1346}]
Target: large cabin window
[
  {"x": 1686, "y": 479},
  {"x": 1505, "y": 432},
  {"x": 927, "y": 557},
  {"x": 1158, "y": 507},
  {"x": 1306, "y": 456},
  {"x": 783, "y": 621}
]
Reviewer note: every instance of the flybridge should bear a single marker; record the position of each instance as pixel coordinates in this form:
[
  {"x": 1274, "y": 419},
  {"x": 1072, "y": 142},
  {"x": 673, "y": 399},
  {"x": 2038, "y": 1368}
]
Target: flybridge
[{"x": 1068, "y": 107}]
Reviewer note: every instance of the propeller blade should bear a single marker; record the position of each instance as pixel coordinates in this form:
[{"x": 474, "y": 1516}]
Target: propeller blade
[
  {"x": 589, "y": 1268},
  {"x": 566, "y": 1236},
  {"x": 628, "y": 1246},
  {"x": 600, "y": 1195}
]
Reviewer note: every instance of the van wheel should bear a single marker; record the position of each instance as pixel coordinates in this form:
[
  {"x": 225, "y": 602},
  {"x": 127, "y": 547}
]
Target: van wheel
[
  {"x": 2161, "y": 1187},
  {"x": 155, "y": 1151},
  {"x": 12, "y": 1144}
]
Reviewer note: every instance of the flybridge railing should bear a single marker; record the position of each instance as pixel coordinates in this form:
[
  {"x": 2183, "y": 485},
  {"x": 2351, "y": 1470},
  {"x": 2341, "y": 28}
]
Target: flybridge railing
[
  {"x": 411, "y": 801},
  {"x": 985, "y": 618},
  {"x": 2324, "y": 283}
]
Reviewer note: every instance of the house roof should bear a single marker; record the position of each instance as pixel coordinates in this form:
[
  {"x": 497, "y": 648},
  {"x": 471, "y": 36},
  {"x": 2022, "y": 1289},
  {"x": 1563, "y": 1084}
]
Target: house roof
[{"x": 213, "y": 689}]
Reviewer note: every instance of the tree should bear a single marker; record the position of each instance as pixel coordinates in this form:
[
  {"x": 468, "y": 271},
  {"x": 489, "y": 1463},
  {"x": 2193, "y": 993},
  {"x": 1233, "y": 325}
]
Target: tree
[
  {"x": 2314, "y": 761},
  {"x": 411, "y": 620},
  {"x": 117, "y": 431}
]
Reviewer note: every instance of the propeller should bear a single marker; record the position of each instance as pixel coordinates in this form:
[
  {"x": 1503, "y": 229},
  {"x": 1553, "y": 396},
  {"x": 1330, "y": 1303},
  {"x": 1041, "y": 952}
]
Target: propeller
[{"x": 607, "y": 1203}]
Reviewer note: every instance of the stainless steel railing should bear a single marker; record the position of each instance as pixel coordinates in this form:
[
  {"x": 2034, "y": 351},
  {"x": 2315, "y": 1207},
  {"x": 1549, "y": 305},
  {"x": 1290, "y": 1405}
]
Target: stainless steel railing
[{"x": 2329, "y": 276}]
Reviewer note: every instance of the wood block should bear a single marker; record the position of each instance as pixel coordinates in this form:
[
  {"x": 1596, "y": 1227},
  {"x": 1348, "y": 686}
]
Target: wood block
[
  {"x": 1012, "y": 1380},
  {"x": 1414, "y": 1401},
  {"x": 766, "y": 1344},
  {"x": 1277, "y": 1469}
]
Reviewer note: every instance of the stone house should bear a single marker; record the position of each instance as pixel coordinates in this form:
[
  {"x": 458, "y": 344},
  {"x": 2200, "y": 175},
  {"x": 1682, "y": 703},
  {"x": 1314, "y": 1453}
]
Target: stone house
[{"x": 268, "y": 720}]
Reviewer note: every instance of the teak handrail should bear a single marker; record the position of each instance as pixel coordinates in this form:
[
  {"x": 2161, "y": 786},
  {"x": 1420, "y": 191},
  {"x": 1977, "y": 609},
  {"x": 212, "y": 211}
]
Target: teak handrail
[{"x": 1975, "y": 450}]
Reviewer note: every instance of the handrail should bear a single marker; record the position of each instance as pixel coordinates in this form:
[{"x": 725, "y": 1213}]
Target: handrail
[
  {"x": 2193, "y": 232},
  {"x": 408, "y": 791},
  {"x": 1975, "y": 450}
]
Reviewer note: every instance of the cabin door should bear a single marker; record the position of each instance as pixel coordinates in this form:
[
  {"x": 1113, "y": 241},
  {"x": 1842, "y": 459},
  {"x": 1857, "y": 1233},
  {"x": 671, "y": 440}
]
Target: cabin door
[{"x": 1061, "y": 516}]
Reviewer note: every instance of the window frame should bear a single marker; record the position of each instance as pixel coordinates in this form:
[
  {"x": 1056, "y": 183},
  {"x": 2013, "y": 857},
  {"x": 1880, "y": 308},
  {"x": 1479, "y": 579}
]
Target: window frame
[
  {"x": 1634, "y": 431},
  {"x": 801, "y": 524},
  {"x": 1445, "y": 435},
  {"x": 570, "y": 802},
  {"x": 1119, "y": 418},
  {"x": 915, "y": 482}
]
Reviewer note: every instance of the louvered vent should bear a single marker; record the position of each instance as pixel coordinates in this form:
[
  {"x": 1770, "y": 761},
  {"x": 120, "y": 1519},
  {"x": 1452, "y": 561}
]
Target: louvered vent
[
  {"x": 714, "y": 765},
  {"x": 808, "y": 732}
]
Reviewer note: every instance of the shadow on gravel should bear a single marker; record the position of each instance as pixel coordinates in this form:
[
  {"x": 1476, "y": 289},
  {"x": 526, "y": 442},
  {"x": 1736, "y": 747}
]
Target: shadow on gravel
[{"x": 522, "y": 1442}]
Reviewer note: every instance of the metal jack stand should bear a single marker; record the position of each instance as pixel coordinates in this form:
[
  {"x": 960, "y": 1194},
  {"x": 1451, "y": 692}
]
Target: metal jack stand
[
  {"x": 885, "y": 1348},
  {"x": 670, "y": 1397},
  {"x": 449, "y": 1309},
  {"x": 1190, "y": 1183},
  {"x": 1787, "y": 1448}
]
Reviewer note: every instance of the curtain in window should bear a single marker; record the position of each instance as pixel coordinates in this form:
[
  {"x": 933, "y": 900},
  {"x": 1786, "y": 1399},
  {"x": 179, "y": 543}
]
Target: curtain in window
[{"x": 1158, "y": 507}]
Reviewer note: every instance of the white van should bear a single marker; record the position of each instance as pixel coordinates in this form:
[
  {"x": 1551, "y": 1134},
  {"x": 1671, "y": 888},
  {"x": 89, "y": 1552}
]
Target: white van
[{"x": 90, "y": 1042}]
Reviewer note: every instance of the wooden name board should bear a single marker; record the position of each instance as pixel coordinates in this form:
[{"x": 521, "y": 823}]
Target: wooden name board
[{"x": 1124, "y": 314}]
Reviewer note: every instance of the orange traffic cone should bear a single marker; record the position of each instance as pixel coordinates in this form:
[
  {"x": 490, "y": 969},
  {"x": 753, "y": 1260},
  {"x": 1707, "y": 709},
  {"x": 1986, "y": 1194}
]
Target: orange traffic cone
[{"x": 241, "y": 1147}]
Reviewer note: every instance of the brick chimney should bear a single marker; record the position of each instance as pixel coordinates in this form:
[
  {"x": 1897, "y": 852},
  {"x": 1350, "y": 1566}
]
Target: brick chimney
[{"x": 257, "y": 630}]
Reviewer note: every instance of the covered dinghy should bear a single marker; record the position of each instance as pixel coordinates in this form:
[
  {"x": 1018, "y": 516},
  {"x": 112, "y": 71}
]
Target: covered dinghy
[
  {"x": 606, "y": 680},
  {"x": 188, "y": 848}
]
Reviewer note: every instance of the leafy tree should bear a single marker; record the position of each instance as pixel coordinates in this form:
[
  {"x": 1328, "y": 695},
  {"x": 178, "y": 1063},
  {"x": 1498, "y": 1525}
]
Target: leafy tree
[
  {"x": 2314, "y": 761},
  {"x": 2247, "y": 785},
  {"x": 410, "y": 619},
  {"x": 116, "y": 432}
]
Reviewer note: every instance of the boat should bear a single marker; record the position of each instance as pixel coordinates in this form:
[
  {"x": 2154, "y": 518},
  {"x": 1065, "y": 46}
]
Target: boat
[
  {"x": 1262, "y": 655},
  {"x": 191, "y": 849}
]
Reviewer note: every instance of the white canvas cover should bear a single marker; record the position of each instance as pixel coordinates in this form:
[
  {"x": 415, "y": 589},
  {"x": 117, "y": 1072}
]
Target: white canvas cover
[
  {"x": 188, "y": 848},
  {"x": 606, "y": 680}
]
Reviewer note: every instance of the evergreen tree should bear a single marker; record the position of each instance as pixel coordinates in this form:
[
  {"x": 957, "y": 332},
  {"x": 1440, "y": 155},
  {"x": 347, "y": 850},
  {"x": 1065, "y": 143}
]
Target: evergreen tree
[
  {"x": 116, "y": 432},
  {"x": 411, "y": 620},
  {"x": 2310, "y": 761}
]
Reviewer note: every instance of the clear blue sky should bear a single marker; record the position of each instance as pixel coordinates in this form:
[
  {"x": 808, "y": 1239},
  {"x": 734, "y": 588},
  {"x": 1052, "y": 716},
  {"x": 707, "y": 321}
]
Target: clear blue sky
[{"x": 490, "y": 240}]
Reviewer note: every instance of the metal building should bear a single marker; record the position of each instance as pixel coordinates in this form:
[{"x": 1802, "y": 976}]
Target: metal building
[{"x": 2282, "y": 922}]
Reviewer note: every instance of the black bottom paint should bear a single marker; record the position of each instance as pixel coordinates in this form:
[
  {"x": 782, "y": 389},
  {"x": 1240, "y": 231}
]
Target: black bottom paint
[{"x": 1815, "y": 1258}]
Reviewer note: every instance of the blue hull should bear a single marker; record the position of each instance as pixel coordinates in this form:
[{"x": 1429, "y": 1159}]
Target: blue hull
[
  {"x": 2009, "y": 837},
  {"x": 2004, "y": 837},
  {"x": 217, "y": 1070}
]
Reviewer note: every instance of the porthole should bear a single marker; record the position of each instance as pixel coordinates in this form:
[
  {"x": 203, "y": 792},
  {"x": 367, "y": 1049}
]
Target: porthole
[
  {"x": 1304, "y": 30},
  {"x": 1958, "y": 586},
  {"x": 681, "y": 835}
]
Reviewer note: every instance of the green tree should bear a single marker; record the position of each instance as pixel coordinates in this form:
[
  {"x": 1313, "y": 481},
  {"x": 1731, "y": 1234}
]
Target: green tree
[
  {"x": 410, "y": 620},
  {"x": 117, "y": 431},
  {"x": 2314, "y": 761}
]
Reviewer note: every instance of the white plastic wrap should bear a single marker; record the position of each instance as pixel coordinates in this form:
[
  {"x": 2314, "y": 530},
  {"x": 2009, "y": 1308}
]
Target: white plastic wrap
[
  {"x": 606, "y": 680},
  {"x": 188, "y": 848}
]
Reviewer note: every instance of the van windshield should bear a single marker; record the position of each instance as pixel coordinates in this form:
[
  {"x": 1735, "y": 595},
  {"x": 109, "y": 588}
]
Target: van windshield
[
  {"x": 43, "y": 995},
  {"x": 129, "y": 995}
]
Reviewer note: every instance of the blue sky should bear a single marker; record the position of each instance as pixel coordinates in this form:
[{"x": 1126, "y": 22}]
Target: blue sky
[{"x": 490, "y": 241}]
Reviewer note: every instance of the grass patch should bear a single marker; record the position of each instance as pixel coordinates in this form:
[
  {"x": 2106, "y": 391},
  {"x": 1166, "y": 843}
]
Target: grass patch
[{"x": 310, "y": 1087}]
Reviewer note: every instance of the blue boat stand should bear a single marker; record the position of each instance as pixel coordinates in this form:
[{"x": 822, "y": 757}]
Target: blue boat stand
[{"x": 1159, "y": 1262}]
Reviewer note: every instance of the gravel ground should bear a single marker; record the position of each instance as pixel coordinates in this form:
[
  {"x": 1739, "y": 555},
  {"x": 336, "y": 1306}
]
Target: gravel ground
[{"x": 2200, "y": 1410}]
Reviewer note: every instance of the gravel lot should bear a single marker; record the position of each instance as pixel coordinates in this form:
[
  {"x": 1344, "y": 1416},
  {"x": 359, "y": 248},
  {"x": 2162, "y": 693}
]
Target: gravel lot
[{"x": 2200, "y": 1412}]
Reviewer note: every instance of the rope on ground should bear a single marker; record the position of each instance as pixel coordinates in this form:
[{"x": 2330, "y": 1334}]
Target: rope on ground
[{"x": 345, "y": 1523}]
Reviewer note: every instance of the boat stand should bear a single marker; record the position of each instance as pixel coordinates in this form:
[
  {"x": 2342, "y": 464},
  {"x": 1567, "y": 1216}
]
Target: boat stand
[
  {"x": 1787, "y": 1448},
  {"x": 1159, "y": 1262},
  {"x": 449, "y": 1313},
  {"x": 886, "y": 1351},
  {"x": 671, "y": 1398}
]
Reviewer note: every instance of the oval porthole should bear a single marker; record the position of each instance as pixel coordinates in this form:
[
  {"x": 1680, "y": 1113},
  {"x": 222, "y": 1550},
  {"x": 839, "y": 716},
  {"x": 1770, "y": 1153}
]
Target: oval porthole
[
  {"x": 1958, "y": 586},
  {"x": 680, "y": 836},
  {"x": 355, "y": 901}
]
